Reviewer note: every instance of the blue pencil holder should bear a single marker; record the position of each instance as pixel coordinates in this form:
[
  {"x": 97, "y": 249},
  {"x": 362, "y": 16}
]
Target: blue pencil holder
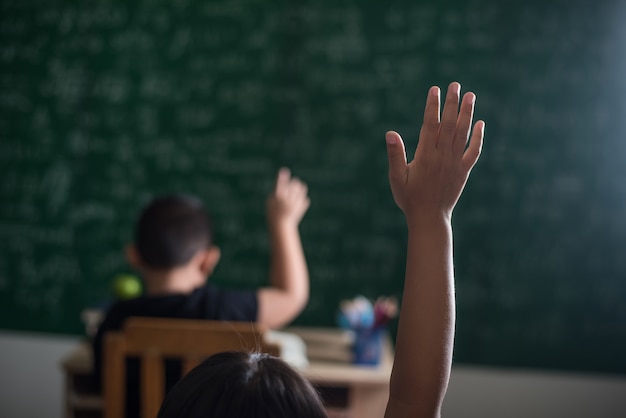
[{"x": 367, "y": 347}]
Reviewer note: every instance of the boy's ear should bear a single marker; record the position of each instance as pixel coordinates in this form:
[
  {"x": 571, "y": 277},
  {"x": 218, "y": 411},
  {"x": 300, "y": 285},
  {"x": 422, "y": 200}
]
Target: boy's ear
[
  {"x": 132, "y": 256},
  {"x": 210, "y": 258}
]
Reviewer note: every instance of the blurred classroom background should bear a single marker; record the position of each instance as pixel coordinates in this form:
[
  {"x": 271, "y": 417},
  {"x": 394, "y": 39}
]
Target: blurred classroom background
[{"x": 105, "y": 104}]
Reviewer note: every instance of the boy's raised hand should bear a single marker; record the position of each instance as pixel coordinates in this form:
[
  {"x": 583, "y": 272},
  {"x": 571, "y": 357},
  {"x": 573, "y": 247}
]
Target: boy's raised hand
[
  {"x": 288, "y": 292},
  {"x": 289, "y": 200},
  {"x": 431, "y": 184}
]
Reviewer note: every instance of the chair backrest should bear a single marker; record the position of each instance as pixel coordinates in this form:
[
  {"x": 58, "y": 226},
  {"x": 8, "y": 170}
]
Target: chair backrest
[{"x": 153, "y": 339}]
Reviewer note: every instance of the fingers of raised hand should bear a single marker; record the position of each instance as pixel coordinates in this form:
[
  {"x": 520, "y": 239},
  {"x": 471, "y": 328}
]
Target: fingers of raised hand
[
  {"x": 291, "y": 191},
  {"x": 297, "y": 189},
  {"x": 475, "y": 146},
  {"x": 447, "y": 130},
  {"x": 452, "y": 129},
  {"x": 430, "y": 127},
  {"x": 296, "y": 201},
  {"x": 283, "y": 179},
  {"x": 464, "y": 123}
]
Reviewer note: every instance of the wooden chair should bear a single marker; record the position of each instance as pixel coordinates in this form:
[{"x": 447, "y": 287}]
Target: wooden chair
[{"x": 153, "y": 339}]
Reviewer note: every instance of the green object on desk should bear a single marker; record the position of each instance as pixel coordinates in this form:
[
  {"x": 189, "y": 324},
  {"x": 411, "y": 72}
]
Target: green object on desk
[{"x": 103, "y": 106}]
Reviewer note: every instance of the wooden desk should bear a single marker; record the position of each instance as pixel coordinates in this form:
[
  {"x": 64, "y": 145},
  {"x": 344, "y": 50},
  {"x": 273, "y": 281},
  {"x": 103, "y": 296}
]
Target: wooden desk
[{"x": 365, "y": 389}]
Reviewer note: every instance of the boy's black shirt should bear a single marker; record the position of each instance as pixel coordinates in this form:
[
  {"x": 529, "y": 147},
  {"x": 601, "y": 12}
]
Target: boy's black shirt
[{"x": 207, "y": 302}]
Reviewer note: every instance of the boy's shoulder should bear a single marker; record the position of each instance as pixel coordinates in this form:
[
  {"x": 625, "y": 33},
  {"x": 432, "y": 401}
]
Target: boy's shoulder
[
  {"x": 146, "y": 305},
  {"x": 206, "y": 302},
  {"x": 152, "y": 305}
]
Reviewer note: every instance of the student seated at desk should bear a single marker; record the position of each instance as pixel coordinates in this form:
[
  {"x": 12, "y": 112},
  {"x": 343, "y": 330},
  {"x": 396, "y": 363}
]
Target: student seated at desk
[
  {"x": 174, "y": 253},
  {"x": 240, "y": 385}
]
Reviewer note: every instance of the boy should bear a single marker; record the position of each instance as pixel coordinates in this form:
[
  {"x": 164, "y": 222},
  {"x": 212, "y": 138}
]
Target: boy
[{"x": 174, "y": 253}]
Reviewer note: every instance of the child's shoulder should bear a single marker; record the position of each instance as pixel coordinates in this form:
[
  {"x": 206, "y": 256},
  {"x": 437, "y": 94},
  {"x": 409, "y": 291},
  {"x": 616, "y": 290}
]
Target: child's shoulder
[{"x": 146, "y": 305}]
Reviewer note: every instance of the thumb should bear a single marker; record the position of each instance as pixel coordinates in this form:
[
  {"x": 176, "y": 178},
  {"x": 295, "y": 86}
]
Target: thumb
[{"x": 396, "y": 155}]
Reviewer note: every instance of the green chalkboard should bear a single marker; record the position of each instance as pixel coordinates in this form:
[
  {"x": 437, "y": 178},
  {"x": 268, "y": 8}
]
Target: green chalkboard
[{"x": 104, "y": 104}]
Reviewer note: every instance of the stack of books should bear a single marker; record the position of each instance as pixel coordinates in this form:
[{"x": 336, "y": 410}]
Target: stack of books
[{"x": 323, "y": 344}]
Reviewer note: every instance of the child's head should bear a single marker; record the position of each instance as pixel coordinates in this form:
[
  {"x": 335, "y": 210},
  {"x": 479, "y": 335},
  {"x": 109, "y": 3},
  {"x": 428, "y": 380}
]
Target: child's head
[
  {"x": 242, "y": 385},
  {"x": 173, "y": 233},
  {"x": 171, "y": 230}
]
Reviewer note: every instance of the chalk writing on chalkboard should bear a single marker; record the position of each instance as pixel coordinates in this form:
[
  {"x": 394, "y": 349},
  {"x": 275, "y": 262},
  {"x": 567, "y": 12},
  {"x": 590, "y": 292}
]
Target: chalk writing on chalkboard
[{"x": 105, "y": 105}]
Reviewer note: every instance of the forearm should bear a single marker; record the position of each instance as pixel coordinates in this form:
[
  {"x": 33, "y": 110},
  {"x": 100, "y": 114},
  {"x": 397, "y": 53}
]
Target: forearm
[
  {"x": 288, "y": 268},
  {"x": 288, "y": 293},
  {"x": 426, "y": 327}
]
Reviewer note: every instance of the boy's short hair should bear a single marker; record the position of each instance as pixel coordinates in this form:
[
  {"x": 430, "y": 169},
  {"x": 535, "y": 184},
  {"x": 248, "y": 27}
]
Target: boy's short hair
[{"x": 171, "y": 230}]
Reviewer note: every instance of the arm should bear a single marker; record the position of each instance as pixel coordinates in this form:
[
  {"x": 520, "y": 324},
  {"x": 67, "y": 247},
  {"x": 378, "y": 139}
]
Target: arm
[
  {"x": 289, "y": 276},
  {"x": 427, "y": 189}
]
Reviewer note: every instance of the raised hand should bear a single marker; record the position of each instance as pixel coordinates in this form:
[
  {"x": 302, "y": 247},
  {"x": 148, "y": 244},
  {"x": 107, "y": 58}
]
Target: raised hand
[
  {"x": 433, "y": 181},
  {"x": 288, "y": 293},
  {"x": 427, "y": 189},
  {"x": 288, "y": 201}
]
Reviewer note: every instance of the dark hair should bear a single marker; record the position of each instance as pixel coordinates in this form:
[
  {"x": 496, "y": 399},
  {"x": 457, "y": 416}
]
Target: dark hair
[
  {"x": 171, "y": 230},
  {"x": 242, "y": 385}
]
